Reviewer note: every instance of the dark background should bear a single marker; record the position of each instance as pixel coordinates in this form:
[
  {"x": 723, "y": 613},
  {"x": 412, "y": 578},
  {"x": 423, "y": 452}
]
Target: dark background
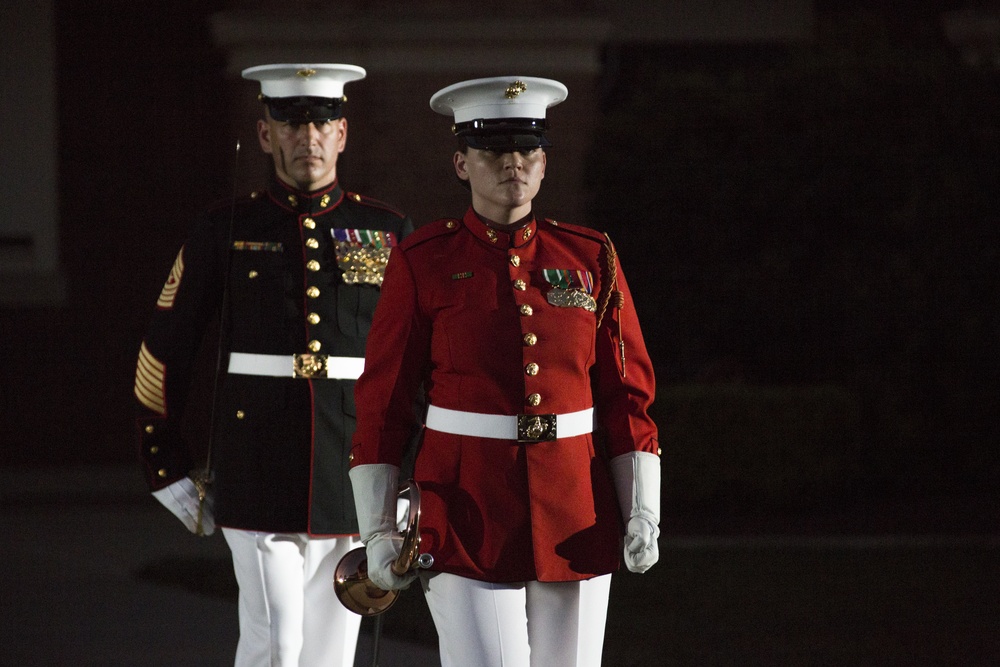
[{"x": 810, "y": 232}]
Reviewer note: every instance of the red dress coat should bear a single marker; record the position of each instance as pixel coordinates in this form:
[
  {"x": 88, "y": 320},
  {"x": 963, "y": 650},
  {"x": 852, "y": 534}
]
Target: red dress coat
[{"x": 465, "y": 317}]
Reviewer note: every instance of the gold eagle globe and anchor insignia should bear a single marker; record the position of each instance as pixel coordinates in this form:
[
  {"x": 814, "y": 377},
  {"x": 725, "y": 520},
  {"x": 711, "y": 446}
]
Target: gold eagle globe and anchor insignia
[
  {"x": 536, "y": 428},
  {"x": 515, "y": 89}
]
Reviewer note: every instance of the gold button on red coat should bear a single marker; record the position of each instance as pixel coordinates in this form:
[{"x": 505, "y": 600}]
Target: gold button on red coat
[
  {"x": 530, "y": 339},
  {"x": 534, "y": 399},
  {"x": 531, "y": 369},
  {"x": 520, "y": 285},
  {"x": 526, "y": 310}
]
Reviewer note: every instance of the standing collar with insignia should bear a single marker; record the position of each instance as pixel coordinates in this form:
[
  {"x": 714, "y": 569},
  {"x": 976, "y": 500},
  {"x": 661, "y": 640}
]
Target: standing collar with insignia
[
  {"x": 516, "y": 235},
  {"x": 305, "y": 203}
]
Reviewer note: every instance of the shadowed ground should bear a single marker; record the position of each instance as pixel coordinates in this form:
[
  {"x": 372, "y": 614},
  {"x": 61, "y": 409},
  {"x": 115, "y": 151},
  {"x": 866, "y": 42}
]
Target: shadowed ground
[{"x": 95, "y": 573}]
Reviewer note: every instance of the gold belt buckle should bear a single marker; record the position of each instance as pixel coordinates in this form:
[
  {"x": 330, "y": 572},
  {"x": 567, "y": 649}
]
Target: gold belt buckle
[
  {"x": 536, "y": 428},
  {"x": 308, "y": 365}
]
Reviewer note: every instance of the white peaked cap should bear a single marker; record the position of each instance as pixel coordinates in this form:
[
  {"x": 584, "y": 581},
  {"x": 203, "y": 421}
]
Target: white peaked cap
[
  {"x": 304, "y": 80},
  {"x": 498, "y": 97}
]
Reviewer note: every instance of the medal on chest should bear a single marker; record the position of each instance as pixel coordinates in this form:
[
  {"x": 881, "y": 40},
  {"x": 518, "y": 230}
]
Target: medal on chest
[
  {"x": 570, "y": 289},
  {"x": 362, "y": 254}
]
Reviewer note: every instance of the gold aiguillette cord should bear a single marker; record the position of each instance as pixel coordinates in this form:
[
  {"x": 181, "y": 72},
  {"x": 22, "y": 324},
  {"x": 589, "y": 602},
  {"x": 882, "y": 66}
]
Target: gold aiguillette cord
[{"x": 619, "y": 297}]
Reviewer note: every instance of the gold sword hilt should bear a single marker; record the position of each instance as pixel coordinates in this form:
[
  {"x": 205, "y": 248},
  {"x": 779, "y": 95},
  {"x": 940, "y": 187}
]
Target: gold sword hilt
[{"x": 201, "y": 481}]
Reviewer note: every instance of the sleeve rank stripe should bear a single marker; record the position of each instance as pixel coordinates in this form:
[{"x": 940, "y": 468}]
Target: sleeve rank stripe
[
  {"x": 169, "y": 292},
  {"x": 149, "y": 384}
]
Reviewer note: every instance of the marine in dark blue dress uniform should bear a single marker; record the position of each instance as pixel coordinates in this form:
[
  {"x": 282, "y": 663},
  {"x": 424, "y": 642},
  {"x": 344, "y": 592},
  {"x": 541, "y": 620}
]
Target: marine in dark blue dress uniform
[{"x": 296, "y": 270}]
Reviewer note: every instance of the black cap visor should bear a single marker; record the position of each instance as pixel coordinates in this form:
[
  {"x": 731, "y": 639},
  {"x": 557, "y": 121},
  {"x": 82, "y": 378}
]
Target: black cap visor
[
  {"x": 303, "y": 109},
  {"x": 508, "y": 134}
]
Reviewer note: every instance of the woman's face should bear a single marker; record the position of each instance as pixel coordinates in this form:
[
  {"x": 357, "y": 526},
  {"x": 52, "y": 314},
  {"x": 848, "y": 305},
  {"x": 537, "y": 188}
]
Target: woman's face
[{"x": 502, "y": 184}]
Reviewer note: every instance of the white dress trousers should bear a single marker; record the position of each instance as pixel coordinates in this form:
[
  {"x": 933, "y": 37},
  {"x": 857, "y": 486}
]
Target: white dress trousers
[
  {"x": 289, "y": 614},
  {"x": 525, "y": 624}
]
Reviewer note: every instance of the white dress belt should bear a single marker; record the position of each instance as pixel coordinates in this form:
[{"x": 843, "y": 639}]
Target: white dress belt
[
  {"x": 313, "y": 366},
  {"x": 523, "y": 428}
]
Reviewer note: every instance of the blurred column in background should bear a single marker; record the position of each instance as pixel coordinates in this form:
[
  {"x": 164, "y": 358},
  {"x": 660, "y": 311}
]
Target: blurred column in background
[
  {"x": 30, "y": 273},
  {"x": 976, "y": 33}
]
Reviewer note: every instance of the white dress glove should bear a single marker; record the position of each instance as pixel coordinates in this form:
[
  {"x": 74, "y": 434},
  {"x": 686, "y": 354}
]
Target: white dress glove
[
  {"x": 637, "y": 481},
  {"x": 375, "y": 489},
  {"x": 181, "y": 498}
]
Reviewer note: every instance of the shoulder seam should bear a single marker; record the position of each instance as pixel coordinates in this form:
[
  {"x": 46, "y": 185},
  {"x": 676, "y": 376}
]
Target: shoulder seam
[
  {"x": 577, "y": 230},
  {"x": 431, "y": 230},
  {"x": 253, "y": 195},
  {"x": 374, "y": 203}
]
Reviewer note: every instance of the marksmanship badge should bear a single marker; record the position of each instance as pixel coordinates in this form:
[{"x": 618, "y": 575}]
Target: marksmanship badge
[{"x": 570, "y": 289}]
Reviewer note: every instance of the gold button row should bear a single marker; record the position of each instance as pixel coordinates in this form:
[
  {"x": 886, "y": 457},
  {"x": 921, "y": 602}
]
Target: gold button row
[
  {"x": 312, "y": 291},
  {"x": 530, "y": 339}
]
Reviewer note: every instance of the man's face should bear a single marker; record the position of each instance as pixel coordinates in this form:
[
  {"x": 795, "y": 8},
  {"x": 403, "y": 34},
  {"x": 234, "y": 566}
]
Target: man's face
[
  {"x": 304, "y": 154},
  {"x": 502, "y": 184}
]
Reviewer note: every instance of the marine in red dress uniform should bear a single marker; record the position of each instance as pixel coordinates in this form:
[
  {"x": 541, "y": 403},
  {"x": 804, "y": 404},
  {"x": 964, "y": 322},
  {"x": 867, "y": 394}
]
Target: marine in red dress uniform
[
  {"x": 480, "y": 310},
  {"x": 523, "y": 337}
]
